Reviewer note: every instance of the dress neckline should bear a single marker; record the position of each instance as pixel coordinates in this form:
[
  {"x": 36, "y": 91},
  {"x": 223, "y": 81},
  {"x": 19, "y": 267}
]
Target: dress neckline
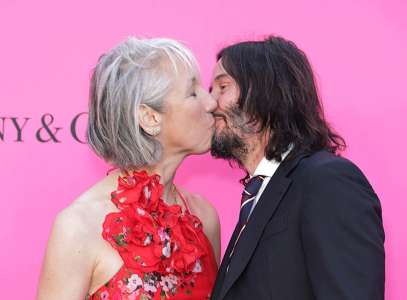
[
  {"x": 127, "y": 173},
  {"x": 144, "y": 221}
]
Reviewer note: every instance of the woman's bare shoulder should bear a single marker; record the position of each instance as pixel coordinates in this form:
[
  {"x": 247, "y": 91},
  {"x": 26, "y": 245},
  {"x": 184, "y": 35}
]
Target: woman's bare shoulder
[
  {"x": 207, "y": 213},
  {"x": 200, "y": 206},
  {"x": 72, "y": 248},
  {"x": 85, "y": 214}
]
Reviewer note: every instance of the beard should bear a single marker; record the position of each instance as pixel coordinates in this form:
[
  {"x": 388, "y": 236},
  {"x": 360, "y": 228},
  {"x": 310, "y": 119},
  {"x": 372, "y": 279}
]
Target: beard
[
  {"x": 228, "y": 145},
  {"x": 229, "y": 142}
]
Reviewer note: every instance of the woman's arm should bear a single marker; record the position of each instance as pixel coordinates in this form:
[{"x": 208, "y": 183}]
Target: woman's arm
[{"x": 68, "y": 263}]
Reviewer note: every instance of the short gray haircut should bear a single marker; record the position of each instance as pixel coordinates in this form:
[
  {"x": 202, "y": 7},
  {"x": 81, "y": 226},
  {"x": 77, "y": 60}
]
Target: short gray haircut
[{"x": 133, "y": 73}]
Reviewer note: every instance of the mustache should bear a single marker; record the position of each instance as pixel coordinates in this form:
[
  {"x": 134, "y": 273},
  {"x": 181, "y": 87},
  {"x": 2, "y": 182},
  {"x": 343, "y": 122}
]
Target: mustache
[
  {"x": 235, "y": 119},
  {"x": 219, "y": 115},
  {"x": 232, "y": 112}
]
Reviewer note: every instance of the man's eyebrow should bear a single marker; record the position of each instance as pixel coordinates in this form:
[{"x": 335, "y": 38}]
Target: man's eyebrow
[
  {"x": 220, "y": 76},
  {"x": 217, "y": 78}
]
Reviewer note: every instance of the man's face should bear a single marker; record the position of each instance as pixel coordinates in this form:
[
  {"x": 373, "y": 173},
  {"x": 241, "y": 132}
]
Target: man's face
[{"x": 230, "y": 122}]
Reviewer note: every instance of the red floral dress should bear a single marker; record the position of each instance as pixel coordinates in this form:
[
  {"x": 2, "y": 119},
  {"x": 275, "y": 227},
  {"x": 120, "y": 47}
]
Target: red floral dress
[{"x": 165, "y": 252}]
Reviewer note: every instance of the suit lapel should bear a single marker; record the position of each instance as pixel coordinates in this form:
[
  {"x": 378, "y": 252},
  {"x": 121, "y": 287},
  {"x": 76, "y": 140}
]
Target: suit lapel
[
  {"x": 225, "y": 261},
  {"x": 261, "y": 214}
]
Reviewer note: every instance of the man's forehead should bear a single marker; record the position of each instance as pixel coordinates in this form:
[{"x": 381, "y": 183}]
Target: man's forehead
[{"x": 219, "y": 72}]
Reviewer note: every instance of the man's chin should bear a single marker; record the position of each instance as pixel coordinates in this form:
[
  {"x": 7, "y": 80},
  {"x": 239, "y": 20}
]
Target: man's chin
[
  {"x": 226, "y": 146},
  {"x": 222, "y": 155}
]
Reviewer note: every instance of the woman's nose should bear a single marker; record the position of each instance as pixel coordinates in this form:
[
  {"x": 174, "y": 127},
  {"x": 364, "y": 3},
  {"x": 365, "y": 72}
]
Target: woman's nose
[{"x": 211, "y": 103}]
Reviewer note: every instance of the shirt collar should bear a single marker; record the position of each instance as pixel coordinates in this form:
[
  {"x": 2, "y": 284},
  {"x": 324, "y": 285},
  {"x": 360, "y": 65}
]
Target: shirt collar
[{"x": 269, "y": 167}]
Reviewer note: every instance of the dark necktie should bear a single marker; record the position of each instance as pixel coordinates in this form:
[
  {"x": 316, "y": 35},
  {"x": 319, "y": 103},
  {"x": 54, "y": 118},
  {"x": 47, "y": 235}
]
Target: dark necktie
[{"x": 250, "y": 191}]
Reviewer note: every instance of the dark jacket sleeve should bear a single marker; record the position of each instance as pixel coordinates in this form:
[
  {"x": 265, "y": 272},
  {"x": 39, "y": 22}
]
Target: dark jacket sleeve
[{"x": 342, "y": 234}]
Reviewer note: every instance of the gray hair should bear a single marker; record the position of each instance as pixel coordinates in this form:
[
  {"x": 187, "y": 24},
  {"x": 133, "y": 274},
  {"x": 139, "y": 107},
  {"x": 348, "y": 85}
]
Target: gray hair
[{"x": 133, "y": 73}]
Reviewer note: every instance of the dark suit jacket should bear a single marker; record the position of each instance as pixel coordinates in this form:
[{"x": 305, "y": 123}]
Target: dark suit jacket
[{"x": 316, "y": 233}]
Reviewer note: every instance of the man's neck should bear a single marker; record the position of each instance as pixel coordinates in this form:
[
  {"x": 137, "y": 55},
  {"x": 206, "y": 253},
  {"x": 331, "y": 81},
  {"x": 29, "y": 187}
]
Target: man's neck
[{"x": 257, "y": 145}]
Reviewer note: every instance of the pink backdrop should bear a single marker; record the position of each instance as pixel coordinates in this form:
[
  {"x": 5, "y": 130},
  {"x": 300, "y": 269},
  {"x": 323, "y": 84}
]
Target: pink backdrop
[{"x": 358, "y": 50}]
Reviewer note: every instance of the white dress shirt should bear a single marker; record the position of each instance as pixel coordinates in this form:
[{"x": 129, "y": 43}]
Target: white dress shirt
[{"x": 266, "y": 168}]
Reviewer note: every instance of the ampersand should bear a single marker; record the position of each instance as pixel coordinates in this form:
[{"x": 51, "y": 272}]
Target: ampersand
[{"x": 46, "y": 121}]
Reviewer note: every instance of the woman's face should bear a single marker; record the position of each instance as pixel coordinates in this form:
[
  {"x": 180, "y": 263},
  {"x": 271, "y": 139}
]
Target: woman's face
[{"x": 187, "y": 123}]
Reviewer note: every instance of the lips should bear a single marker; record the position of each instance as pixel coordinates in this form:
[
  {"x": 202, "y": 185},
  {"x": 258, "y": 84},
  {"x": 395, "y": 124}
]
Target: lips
[{"x": 219, "y": 117}]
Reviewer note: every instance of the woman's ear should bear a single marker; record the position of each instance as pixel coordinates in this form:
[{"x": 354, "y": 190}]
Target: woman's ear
[{"x": 149, "y": 120}]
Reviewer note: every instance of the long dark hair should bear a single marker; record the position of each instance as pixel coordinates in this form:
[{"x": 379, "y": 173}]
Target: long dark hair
[{"x": 278, "y": 92}]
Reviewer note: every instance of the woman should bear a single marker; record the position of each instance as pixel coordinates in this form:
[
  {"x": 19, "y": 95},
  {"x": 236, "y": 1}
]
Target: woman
[{"x": 135, "y": 235}]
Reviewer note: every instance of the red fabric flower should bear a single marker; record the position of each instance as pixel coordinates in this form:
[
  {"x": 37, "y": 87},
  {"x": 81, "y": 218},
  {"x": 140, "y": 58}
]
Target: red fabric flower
[
  {"x": 140, "y": 189},
  {"x": 146, "y": 222}
]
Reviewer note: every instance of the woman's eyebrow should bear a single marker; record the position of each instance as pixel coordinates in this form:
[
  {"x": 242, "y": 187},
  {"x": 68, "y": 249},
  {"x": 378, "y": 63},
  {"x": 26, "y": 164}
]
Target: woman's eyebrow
[{"x": 192, "y": 82}]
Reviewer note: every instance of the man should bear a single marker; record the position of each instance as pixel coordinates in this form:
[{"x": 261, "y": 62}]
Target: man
[{"x": 310, "y": 224}]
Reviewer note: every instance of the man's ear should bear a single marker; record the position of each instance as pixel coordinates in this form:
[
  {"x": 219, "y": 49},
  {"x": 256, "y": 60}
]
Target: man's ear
[{"x": 149, "y": 120}]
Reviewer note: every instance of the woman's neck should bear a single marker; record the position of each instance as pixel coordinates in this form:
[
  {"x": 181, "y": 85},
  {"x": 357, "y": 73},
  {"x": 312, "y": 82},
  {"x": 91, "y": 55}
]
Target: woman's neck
[{"x": 166, "y": 168}]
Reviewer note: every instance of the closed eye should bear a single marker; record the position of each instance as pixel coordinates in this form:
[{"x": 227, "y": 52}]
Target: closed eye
[{"x": 223, "y": 86}]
